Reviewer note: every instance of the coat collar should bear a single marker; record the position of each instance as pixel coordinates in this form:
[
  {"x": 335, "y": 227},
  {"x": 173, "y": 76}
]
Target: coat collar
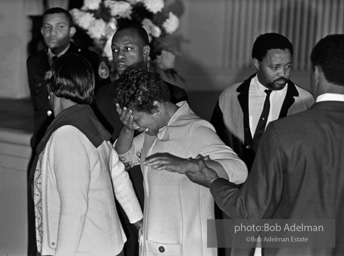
[{"x": 243, "y": 90}]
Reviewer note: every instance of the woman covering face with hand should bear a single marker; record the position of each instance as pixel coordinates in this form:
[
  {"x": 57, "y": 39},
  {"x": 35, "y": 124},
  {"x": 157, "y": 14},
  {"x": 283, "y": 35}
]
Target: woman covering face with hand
[{"x": 172, "y": 136}]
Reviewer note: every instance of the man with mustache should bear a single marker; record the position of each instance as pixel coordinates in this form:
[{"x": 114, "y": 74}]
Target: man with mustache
[
  {"x": 238, "y": 116},
  {"x": 244, "y": 109},
  {"x": 298, "y": 171}
]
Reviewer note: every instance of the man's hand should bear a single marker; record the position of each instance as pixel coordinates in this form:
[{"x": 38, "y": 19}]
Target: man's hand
[
  {"x": 171, "y": 163},
  {"x": 205, "y": 175}
]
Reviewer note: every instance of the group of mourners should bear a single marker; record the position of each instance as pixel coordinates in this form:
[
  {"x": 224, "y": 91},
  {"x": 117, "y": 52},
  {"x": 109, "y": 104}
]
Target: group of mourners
[{"x": 99, "y": 129}]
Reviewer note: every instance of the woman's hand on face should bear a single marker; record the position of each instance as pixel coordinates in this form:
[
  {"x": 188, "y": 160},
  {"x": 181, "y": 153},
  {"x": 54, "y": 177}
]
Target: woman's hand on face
[{"x": 125, "y": 115}]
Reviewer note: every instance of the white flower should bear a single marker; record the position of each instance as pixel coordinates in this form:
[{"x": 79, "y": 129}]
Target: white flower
[
  {"x": 154, "y": 5},
  {"x": 132, "y": 2},
  {"x": 83, "y": 19},
  {"x": 119, "y": 8},
  {"x": 99, "y": 20},
  {"x": 171, "y": 23},
  {"x": 111, "y": 27},
  {"x": 96, "y": 29},
  {"x": 165, "y": 60},
  {"x": 91, "y": 4},
  {"x": 151, "y": 29}
]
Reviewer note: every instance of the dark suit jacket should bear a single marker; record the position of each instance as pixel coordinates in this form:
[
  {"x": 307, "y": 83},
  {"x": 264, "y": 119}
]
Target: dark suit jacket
[
  {"x": 37, "y": 66},
  {"x": 231, "y": 118},
  {"x": 298, "y": 173}
]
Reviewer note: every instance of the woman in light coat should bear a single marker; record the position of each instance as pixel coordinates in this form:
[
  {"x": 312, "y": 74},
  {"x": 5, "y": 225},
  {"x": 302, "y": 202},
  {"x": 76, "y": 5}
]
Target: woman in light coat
[
  {"x": 77, "y": 172},
  {"x": 176, "y": 210}
]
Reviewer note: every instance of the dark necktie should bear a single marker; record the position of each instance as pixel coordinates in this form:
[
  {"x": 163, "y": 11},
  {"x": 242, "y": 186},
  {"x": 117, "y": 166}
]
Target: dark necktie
[
  {"x": 53, "y": 59},
  {"x": 262, "y": 121}
]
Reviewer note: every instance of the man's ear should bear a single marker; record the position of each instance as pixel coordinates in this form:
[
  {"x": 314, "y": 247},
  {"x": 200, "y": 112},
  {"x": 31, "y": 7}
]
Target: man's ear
[
  {"x": 146, "y": 51},
  {"x": 318, "y": 75},
  {"x": 317, "y": 71},
  {"x": 256, "y": 63},
  {"x": 72, "y": 31}
]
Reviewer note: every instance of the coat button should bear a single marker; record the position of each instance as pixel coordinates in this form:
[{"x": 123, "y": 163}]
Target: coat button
[
  {"x": 161, "y": 249},
  {"x": 248, "y": 146}
]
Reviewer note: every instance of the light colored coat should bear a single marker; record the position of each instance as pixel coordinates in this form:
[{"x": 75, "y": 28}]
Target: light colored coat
[
  {"x": 79, "y": 212},
  {"x": 231, "y": 115},
  {"x": 176, "y": 209}
]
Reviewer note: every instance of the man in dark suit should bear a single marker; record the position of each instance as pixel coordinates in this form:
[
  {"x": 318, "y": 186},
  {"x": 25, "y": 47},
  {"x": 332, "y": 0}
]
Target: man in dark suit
[
  {"x": 298, "y": 170},
  {"x": 130, "y": 49},
  {"x": 238, "y": 115},
  {"x": 57, "y": 30}
]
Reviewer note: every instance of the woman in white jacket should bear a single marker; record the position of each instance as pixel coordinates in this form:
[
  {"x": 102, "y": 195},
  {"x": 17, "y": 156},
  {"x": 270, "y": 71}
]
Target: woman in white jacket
[
  {"x": 73, "y": 192},
  {"x": 176, "y": 210}
]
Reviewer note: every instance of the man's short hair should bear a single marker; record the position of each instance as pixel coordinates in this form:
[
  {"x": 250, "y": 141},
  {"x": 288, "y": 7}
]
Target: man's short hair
[
  {"x": 269, "y": 41},
  {"x": 129, "y": 25},
  {"x": 138, "y": 89},
  {"x": 328, "y": 54},
  {"x": 72, "y": 77},
  {"x": 55, "y": 10}
]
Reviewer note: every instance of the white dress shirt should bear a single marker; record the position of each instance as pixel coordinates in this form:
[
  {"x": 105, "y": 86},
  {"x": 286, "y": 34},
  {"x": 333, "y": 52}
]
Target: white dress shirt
[{"x": 256, "y": 99}]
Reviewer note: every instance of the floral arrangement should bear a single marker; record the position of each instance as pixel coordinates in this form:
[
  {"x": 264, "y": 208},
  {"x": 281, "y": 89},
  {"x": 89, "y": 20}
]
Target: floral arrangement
[{"x": 100, "y": 18}]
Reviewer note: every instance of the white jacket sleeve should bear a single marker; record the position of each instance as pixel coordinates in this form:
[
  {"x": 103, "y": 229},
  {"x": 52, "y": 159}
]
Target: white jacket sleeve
[{"x": 124, "y": 190}]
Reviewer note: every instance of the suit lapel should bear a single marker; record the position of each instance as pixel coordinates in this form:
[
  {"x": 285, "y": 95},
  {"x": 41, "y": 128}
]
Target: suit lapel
[
  {"x": 289, "y": 99},
  {"x": 243, "y": 90},
  {"x": 44, "y": 62}
]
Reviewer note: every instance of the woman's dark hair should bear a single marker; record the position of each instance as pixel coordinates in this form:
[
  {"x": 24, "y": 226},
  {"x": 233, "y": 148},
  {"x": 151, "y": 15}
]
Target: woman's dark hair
[
  {"x": 138, "y": 89},
  {"x": 72, "y": 77}
]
